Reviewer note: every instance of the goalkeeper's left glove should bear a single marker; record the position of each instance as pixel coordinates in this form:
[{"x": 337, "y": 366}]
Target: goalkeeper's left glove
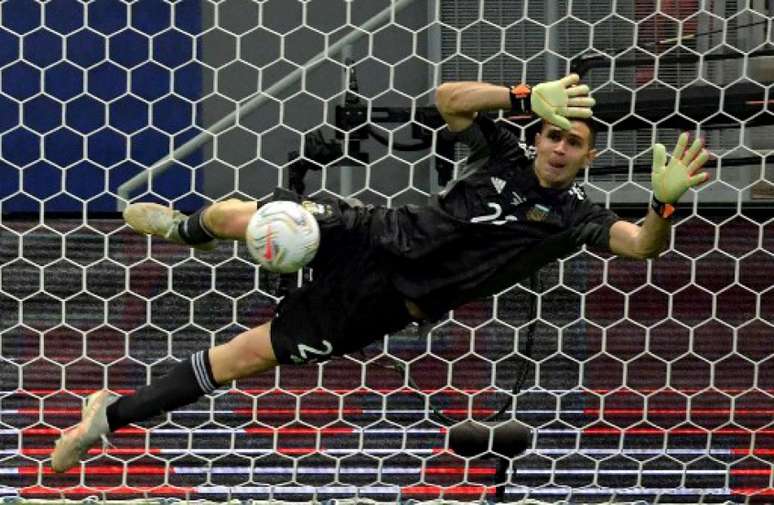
[
  {"x": 555, "y": 101},
  {"x": 670, "y": 181}
]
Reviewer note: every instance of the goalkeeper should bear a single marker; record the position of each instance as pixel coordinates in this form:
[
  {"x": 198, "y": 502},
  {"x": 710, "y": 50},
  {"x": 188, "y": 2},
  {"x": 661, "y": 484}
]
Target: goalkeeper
[{"x": 512, "y": 210}]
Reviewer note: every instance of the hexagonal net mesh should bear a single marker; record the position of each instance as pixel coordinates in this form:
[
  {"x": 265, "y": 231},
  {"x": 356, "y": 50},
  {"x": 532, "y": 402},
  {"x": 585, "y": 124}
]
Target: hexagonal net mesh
[{"x": 642, "y": 380}]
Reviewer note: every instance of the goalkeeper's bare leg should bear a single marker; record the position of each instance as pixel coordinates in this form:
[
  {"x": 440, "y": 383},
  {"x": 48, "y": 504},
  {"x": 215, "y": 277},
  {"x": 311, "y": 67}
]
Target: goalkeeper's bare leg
[
  {"x": 226, "y": 219},
  {"x": 247, "y": 354}
]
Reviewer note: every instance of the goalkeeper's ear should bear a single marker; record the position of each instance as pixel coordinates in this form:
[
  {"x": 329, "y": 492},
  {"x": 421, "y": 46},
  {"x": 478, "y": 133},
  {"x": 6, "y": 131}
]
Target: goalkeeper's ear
[
  {"x": 591, "y": 156},
  {"x": 591, "y": 138}
]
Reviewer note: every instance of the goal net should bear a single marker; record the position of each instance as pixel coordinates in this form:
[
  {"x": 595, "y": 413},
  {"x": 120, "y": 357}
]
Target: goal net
[{"x": 646, "y": 381}]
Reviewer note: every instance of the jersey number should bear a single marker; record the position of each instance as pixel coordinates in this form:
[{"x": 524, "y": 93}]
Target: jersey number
[{"x": 492, "y": 218}]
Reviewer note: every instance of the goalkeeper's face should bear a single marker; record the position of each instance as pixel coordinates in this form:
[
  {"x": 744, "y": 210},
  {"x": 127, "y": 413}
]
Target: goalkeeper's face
[{"x": 561, "y": 154}]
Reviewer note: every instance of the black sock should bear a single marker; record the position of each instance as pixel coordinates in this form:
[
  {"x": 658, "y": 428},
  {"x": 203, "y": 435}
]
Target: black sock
[
  {"x": 193, "y": 230},
  {"x": 185, "y": 383}
]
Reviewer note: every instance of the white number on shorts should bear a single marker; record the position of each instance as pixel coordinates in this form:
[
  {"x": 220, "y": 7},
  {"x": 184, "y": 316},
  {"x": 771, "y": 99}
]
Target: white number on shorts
[{"x": 304, "y": 351}]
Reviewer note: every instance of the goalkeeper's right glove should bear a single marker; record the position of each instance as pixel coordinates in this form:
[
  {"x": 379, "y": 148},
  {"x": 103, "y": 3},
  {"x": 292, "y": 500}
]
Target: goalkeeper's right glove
[
  {"x": 670, "y": 181},
  {"x": 555, "y": 101}
]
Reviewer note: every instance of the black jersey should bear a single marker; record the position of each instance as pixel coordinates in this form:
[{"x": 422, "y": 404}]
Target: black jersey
[{"x": 490, "y": 228}]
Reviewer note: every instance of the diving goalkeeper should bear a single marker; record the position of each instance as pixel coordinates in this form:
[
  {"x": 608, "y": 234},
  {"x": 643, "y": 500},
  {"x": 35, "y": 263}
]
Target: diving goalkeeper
[{"x": 512, "y": 210}]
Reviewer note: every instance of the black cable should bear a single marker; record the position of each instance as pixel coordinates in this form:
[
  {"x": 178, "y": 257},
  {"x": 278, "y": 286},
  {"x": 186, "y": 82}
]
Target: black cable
[
  {"x": 586, "y": 62},
  {"x": 690, "y": 36},
  {"x": 518, "y": 384},
  {"x": 419, "y": 146},
  {"x": 536, "y": 286}
]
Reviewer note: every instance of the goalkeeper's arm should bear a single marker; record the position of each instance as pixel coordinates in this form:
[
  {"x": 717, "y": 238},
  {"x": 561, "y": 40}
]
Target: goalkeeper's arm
[
  {"x": 669, "y": 182},
  {"x": 554, "y": 101}
]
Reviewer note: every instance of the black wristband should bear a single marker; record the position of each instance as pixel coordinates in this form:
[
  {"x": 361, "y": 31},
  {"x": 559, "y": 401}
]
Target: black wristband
[
  {"x": 519, "y": 95},
  {"x": 665, "y": 210}
]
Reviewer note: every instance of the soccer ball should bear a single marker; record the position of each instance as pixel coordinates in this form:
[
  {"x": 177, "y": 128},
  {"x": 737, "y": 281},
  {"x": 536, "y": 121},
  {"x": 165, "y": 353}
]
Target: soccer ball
[{"x": 282, "y": 236}]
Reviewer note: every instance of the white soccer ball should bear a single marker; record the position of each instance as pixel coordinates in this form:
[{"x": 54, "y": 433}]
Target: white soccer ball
[{"x": 282, "y": 236}]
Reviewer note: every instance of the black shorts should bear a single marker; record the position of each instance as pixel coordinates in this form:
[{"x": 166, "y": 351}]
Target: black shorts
[{"x": 350, "y": 302}]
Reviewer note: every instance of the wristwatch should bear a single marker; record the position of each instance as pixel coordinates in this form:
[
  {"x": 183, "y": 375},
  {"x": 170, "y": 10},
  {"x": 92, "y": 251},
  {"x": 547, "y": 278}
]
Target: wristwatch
[{"x": 520, "y": 98}]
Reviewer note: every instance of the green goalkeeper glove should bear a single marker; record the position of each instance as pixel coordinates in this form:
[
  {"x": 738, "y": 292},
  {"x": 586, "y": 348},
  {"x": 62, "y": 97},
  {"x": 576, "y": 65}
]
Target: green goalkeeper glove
[
  {"x": 670, "y": 181},
  {"x": 555, "y": 101}
]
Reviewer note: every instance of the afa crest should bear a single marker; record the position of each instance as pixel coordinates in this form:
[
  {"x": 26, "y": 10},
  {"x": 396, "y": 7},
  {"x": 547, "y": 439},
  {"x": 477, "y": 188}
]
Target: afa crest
[{"x": 538, "y": 213}]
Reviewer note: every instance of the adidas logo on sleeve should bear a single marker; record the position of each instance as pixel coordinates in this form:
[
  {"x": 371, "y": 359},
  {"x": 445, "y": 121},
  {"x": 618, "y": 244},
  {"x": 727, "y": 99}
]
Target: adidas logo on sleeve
[{"x": 499, "y": 184}]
